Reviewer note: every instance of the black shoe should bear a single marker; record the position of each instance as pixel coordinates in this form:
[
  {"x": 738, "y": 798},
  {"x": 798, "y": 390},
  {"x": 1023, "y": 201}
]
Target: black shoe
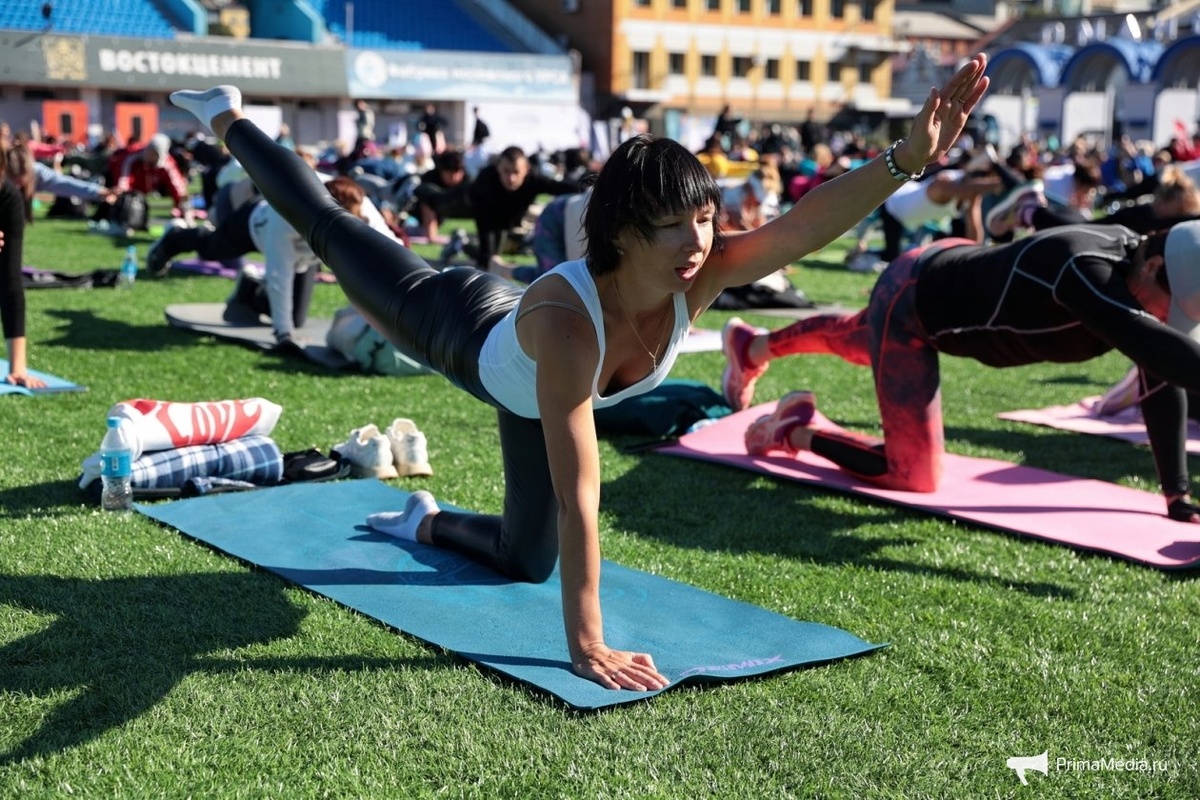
[
  {"x": 241, "y": 315},
  {"x": 288, "y": 346},
  {"x": 158, "y": 257},
  {"x": 312, "y": 465},
  {"x": 454, "y": 246},
  {"x": 244, "y": 291}
]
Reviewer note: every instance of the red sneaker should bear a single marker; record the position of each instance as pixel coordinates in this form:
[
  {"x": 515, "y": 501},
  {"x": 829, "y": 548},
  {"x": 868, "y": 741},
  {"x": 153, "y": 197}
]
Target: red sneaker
[
  {"x": 771, "y": 433},
  {"x": 739, "y": 377}
]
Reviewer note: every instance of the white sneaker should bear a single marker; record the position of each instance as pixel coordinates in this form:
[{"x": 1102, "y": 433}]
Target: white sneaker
[
  {"x": 409, "y": 450},
  {"x": 369, "y": 453}
]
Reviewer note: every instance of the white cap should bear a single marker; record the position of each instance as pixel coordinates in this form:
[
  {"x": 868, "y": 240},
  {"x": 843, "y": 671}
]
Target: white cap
[
  {"x": 1182, "y": 257},
  {"x": 161, "y": 143}
]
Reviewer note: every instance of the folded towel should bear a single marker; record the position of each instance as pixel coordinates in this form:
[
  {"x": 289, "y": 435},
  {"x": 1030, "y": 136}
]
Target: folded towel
[
  {"x": 253, "y": 459},
  {"x": 161, "y": 425}
]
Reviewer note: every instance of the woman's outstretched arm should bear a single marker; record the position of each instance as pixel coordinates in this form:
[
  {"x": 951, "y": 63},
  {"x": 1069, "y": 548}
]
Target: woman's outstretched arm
[{"x": 837, "y": 205}]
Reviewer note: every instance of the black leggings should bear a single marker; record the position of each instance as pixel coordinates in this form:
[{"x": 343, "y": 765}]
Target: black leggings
[
  {"x": 439, "y": 318},
  {"x": 12, "y": 283}
]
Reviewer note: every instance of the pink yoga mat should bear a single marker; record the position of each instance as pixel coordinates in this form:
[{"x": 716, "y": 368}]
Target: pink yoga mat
[
  {"x": 1126, "y": 424},
  {"x": 1085, "y": 514}
]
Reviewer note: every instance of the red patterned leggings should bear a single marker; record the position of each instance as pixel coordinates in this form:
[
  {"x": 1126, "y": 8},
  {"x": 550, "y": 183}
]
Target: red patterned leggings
[{"x": 888, "y": 336}]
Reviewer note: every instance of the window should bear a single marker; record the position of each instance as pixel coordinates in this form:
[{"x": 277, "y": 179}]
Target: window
[
  {"x": 679, "y": 3},
  {"x": 714, "y": 5},
  {"x": 742, "y": 66},
  {"x": 772, "y": 69},
  {"x": 837, "y": 8},
  {"x": 804, "y": 70},
  {"x": 642, "y": 3},
  {"x": 708, "y": 66},
  {"x": 775, "y": 7},
  {"x": 835, "y": 71},
  {"x": 675, "y": 63},
  {"x": 641, "y": 70},
  {"x": 864, "y": 73},
  {"x": 804, "y": 8},
  {"x": 743, "y": 6},
  {"x": 868, "y": 10}
]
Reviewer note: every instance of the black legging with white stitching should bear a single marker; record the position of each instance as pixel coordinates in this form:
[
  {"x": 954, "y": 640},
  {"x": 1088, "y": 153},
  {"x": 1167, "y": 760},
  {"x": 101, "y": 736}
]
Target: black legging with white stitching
[{"x": 439, "y": 318}]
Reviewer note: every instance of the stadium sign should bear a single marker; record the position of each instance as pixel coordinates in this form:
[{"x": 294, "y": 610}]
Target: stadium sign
[
  {"x": 446, "y": 75},
  {"x": 280, "y": 69}
]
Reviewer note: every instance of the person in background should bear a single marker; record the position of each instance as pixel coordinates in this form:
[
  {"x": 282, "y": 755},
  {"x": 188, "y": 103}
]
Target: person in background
[
  {"x": 207, "y": 158},
  {"x": 364, "y": 123},
  {"x": 284, "y": 139},
  {"x": 432, "y": 126},
  {"x": 725, "y": 128},
  {"x": 1065, "y": 295},
  {"x": 441, "y": 193},
  {"x": 500, "y": 197},
  {"x": 51, "y": 181},
  {"x": 481, "y": 132},
  {"x": 951, "y": 198},
  {"x": 714, "y": 158},
  {"x": 16, "y": 192},
  {"x": 285, "y": 290},
  {"x": 151, "y": 169}
]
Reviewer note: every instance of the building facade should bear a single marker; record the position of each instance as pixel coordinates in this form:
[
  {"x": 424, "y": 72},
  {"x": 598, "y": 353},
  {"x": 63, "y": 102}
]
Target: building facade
[{"x": 674, "y": 62}]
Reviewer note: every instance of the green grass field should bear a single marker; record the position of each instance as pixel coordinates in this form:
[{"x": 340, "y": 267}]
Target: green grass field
[{"x": 136, "y": 663}]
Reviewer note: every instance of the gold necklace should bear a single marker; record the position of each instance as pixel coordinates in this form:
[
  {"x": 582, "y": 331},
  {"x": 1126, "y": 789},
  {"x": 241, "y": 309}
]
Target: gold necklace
[{"x": 652, "y": 353}]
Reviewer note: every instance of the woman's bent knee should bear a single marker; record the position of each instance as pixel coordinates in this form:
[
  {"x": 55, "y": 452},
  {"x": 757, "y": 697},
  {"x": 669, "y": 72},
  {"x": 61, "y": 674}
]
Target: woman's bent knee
[{"x": 534, "y": 568}]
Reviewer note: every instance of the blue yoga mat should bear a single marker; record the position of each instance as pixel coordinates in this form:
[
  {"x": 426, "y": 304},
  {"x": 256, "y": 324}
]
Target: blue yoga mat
[
  {"x": 314, "y": 534},
  {"x": 54, "y": 384}
]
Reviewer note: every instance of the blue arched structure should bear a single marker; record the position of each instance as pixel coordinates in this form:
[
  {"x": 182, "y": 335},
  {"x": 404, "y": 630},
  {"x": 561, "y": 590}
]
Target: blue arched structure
[
  {"x": 1086, "y": 69},
  {"x": 1025, "y": 66},
  {"x": 1179, "y": 64}
]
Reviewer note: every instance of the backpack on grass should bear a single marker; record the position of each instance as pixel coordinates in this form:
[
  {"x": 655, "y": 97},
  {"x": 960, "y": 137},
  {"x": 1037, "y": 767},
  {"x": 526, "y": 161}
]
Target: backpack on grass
[{"x": 129, "y": 211}]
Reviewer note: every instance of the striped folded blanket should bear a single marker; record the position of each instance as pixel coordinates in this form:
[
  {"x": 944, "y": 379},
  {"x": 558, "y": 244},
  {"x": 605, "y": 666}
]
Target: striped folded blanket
[{"x": 252, "y": 459}]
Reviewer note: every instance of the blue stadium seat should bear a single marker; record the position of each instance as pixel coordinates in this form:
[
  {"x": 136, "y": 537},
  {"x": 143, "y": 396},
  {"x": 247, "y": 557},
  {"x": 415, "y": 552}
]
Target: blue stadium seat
[
  {"x": 137, "y": 18},
  {"x": 410, "y": 25}
]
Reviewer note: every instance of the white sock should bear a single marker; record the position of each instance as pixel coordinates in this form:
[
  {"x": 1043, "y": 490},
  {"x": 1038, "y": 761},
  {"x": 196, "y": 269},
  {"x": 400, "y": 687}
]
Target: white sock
[
  {"x": 206, "y": 105},
  {"x": 404, "y": 524}
]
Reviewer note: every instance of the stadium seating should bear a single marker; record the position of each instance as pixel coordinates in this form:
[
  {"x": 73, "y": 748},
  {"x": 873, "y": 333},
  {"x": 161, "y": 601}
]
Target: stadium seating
[
  {"x": 136, "y": 18},
  {"x": 409, "y": 25},
  {"x": 376, "y": 24}
]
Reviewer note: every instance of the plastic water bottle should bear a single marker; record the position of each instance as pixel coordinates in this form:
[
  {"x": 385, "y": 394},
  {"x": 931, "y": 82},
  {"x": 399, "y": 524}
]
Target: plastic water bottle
[
  {"x": 129, "y": 269},
  {"x": 116, "y": 469}
]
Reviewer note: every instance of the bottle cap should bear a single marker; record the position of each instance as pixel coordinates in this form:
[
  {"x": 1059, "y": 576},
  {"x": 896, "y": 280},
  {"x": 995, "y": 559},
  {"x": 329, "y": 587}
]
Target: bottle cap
[{"x": 114, "y": 422}]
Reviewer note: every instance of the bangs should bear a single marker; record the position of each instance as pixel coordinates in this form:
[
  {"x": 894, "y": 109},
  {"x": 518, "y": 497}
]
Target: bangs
[
  {"x": 668, "y": 180},
  {"x": 664, "y": 179}
]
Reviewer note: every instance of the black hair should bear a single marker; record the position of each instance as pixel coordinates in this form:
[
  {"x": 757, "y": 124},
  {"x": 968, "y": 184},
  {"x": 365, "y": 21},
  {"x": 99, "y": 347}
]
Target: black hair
[
  {"x": 450, "y": 160},
  {"x": 513, "y": 154},
  {"x": 16, "y": 166},
  {"x": 643, "y": 180}
]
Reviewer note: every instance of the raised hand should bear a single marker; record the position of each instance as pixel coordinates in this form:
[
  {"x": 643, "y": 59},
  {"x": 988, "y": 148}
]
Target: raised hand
[{"x": 940, "y": 121}]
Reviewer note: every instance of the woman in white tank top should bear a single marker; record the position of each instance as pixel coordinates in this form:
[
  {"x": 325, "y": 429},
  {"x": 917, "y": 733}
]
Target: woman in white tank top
[{"x": 580, "y": 336}]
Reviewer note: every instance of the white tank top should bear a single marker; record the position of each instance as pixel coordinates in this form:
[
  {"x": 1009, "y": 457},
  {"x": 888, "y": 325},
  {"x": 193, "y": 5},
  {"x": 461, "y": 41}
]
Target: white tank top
[
  {"x": 912, "y": 206},
  {"x": 510, "y": 375}
]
